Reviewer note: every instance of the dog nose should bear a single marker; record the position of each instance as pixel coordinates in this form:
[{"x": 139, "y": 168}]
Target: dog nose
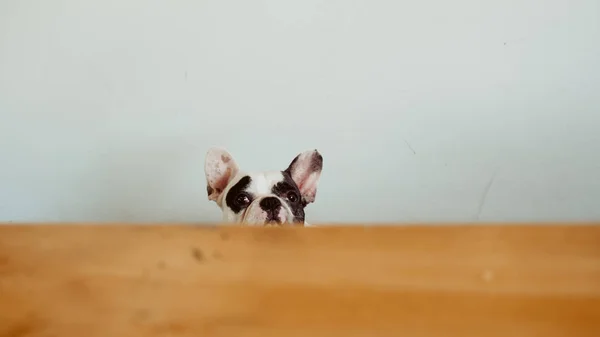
[{"x": 270, "y": 204}]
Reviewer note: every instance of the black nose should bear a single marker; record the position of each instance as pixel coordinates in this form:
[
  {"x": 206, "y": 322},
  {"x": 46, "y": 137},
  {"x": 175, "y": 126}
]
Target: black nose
[{"x": 270, "y": 204}]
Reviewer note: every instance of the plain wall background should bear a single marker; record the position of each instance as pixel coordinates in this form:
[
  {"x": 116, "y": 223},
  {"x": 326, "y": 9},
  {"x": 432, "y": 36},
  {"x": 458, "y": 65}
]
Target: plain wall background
[{"x": 459, "y": 110}]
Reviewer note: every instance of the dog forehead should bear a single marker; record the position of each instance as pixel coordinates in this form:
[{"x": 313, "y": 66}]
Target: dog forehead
[{"x": 263, "y": 182}]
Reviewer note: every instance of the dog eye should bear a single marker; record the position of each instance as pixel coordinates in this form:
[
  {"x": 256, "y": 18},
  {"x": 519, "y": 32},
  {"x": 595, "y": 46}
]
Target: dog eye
[
  {"x": 292, "y": 196},
  {"x": 242, "y": 200}
]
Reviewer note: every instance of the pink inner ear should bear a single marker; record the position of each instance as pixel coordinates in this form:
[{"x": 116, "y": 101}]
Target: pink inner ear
[
  {"x": 220, "y": 169},
  {"x": 221, "y": 183},
  {"x": 300, "y": 176},
  {"x": 307, "y": 182},
  {"x": 305, "y": 170},
  {"x": 308, "y": 186}
]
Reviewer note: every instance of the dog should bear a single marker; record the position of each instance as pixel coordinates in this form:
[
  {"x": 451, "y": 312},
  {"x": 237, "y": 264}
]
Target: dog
[{"x": 269, "y": 198}]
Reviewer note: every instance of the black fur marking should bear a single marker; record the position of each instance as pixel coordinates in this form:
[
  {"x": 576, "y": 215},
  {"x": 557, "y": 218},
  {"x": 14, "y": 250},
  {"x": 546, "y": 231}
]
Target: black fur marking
[
  {"x": 282, "y": 188},
  {"x": 234, "y": 191},
  {"x": 316, "y": 164},
  {"x": 270, "y": 204}
]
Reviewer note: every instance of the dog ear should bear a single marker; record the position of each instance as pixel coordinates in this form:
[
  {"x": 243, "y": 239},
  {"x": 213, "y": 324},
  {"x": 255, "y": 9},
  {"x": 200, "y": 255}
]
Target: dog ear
[
  {"x": 305, "y": 170},
  {"x": 219, "y": 168}
]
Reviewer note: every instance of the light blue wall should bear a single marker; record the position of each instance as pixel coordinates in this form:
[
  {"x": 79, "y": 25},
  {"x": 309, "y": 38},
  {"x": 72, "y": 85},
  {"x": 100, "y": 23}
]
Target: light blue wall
[{"x": 438, "y": 110}]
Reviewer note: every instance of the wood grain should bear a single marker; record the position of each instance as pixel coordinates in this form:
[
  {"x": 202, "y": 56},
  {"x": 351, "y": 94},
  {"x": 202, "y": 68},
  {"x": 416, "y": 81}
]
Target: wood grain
[{"x": 126, "y": 280}]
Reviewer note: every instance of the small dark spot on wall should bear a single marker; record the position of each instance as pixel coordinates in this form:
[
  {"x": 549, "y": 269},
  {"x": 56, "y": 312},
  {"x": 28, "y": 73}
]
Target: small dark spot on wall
[
  {"x": 224, "y": 236},
  {"x": 410, "y": 147},
  {"x": 197, "y": 255},
  {"x": 161, "y": 265}
]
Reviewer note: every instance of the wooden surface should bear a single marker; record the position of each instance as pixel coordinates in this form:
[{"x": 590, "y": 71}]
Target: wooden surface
[{"x": 92, "y": 281}]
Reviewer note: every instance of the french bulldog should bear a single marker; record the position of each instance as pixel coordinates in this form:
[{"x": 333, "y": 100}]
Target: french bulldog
[{"x": 270, "y": 198}]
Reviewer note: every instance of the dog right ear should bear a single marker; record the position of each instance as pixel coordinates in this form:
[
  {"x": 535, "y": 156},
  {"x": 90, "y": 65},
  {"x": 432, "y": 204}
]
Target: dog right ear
[
  {"x": 219, "y": 168},
  {"x": 305, "y": 170}
]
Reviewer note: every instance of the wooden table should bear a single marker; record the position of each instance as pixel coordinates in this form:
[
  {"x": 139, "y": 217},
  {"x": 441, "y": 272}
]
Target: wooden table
[{"x": 134, "y": 280}]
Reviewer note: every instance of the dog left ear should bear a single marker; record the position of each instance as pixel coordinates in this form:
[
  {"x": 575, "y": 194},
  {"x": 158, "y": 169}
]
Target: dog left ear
[
  {"x": 305, "y": 170},
  {"x": 219, "y": 168}
]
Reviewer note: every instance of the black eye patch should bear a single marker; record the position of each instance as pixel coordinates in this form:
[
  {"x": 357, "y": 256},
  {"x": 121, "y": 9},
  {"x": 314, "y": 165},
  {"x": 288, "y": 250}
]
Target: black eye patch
[
  {"x": 282, "y": 187},
  {"x": 286, "y": 189},
  {"x": 234, "y": 191}
]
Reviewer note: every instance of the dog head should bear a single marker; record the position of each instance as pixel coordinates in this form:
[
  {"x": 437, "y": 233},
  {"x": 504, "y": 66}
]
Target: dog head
[{"x": 262, "y": 198}]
